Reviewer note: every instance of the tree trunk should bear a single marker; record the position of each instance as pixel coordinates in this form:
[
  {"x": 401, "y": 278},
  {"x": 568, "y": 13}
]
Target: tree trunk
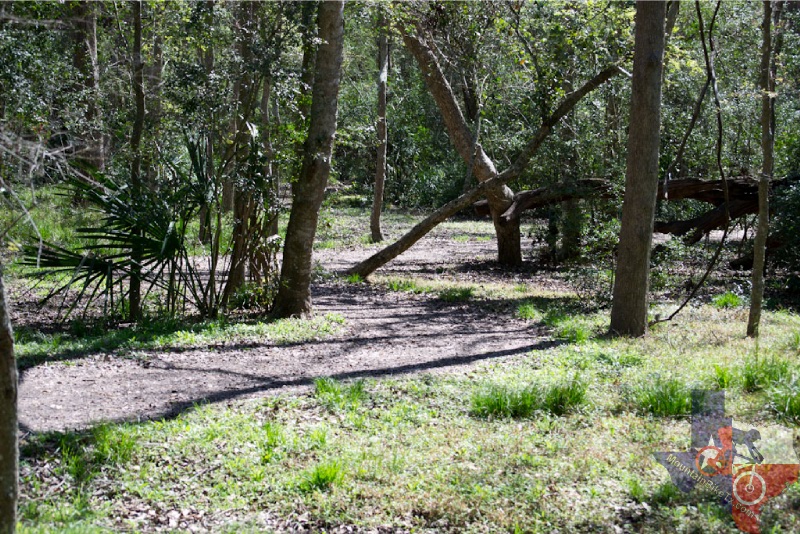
[
  {"x": 135, "y": 298},
  {"x": 629, "y": 307},
  {"x": 509, "y": 249},
  {"x": 381, "y": 127},
  {"x": 767, "y": 87},
  {"x": 9, "y": 451},
  {"x": 294, "y": 294},
  {"x": 85, "y": 62},
  {"x": 384, "y": 256}
]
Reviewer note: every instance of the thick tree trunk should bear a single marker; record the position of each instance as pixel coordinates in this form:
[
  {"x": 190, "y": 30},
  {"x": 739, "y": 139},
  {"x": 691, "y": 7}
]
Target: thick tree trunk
[
  {"x": 629, "y": 307},
  {"x": 381, "y": 127},
  {"x": 135, "y": 298},
  {"x": 384, "y": 256},
  {"x": 294, "y": 294},
  {"x": 9, "y": 451},
  {"x": 767, "y": 86},
  {"x": 509, "y": 249}
]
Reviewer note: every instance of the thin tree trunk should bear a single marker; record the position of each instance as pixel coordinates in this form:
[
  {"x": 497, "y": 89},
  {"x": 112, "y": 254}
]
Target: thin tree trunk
[
  {"x": 767, "y": 86},
  {"x": 381, "y": 127},
  {"x": 85, "y": 62},
  {"x": 294, "y": 294},
  {"x": 629, "y": 307},
  {"x": 135, "y": 299},
  {"x": 9, "y": 449}
]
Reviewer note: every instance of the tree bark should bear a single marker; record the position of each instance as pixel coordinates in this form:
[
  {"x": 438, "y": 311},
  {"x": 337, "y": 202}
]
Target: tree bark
[
  {"x": 135, "y": 298},
  {"x": 381, "y": 127},
  {"x": 384, "y": 256},
  {"x": 509, "y": 249},
  {"x": 294, "y": 293},
  {"x": 629, "y": 307},
  {"x": 767, "y": 86},
  {"x": 9, "y": 449},
  {"x": 85, "y": 62}
]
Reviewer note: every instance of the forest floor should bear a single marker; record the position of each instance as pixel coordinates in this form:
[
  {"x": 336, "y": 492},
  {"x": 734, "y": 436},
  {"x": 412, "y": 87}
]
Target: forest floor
[
  {"x": 384, "y": 332},
  {"x": 443, "y": 395}
]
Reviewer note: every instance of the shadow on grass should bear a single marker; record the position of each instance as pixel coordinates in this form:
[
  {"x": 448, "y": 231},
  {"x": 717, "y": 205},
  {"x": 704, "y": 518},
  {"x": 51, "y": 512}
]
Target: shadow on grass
[{"x": 83, "y": 339}]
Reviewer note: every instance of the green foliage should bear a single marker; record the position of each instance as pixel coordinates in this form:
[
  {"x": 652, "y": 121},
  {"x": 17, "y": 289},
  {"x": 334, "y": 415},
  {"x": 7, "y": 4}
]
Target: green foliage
[
  {"x": 784, "y": 398},
  {"x": 527, "y": 310},
  {"x": 724, "y": 377},
  {"x": 355, "y": 279},
  {"x": 759, "y": 373},
  {"x": 334, "y": 394},
  {"x": 727, "y": 300},
  {"x": 663, "y": 397},
  {"x": 456, "y": 294},
  {"x": 558, "y": 397},
  {"x": 402, "y": 284},
  {"x": 322, "y": 477}
]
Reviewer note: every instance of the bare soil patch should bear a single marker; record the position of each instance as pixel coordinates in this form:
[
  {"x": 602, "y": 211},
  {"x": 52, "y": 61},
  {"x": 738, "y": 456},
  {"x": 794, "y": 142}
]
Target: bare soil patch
[{"x": 387, "y": 333}]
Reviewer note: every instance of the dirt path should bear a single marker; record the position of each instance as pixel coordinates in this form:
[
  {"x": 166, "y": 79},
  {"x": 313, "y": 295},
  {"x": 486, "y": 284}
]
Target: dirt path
[{"x": 386, "y": 333}]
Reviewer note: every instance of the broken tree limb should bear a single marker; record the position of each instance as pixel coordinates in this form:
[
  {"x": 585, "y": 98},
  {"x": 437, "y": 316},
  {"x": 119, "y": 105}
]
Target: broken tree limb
[
  {"x": 384, "y": 256},
  {"x": 553, "y": 194}
]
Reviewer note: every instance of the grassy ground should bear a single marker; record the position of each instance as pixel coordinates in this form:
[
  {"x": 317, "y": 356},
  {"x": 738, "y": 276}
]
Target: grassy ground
[{"x": 559, "y": 439}]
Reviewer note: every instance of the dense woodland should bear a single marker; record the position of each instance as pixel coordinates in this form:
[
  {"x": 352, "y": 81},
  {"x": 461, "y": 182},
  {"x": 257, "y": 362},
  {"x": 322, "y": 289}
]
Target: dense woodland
[{"x": 178, "y": 160}]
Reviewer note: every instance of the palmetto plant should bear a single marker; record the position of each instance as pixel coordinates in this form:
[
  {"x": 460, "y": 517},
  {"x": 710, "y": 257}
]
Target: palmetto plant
[{"x": 154, "y": 224}]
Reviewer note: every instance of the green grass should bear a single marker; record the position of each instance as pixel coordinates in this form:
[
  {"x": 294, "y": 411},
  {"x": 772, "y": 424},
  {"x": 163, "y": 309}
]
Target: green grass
[
  {"x": 759, "y": 373},
  {"x": 518, "y": 443},
  {"x": 334, "y": 394},
  {"x": 456, "y": 294},
  {"x": 558, "y": 398},
  {"x": 528, "y": 311},
  {"x": 784, "y": 398},
  {"x": 727, "y": 300},
  {"x": 663, "y": 397},
  {"x": 33, "y": 347},
  {"x": 322, "y": 477}
]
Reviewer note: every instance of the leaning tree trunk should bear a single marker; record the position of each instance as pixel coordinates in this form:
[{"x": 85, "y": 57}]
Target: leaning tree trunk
[
  {"x": 135, "y": 298},
  {"x": 629, "y": 307},
  {"x": 294, "y": 295},
  {"x": 9, "y": 451},
  {"x": 509, "y": 248},
  {"x": 767, "y": 86},
  {"x": 381, "y": 127},
  {"x": 385, "y": 255}
]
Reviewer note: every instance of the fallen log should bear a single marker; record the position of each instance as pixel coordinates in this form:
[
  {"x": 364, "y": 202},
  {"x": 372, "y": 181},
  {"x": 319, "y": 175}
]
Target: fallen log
[{"x": 742, "y": 192}]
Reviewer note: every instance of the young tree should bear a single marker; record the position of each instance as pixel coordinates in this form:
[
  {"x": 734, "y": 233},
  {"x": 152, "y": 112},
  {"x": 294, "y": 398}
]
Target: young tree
[
  {"x": 766, "y": 83},
  {"x": 294, "y": 294},
  {"x": 629, "y": 307},
  {"x": 381, "y": 127},
  {"x": 84, "y": 59},
  {"x": 9, "y": 450},
  {"x": 135, "y": 299}
]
